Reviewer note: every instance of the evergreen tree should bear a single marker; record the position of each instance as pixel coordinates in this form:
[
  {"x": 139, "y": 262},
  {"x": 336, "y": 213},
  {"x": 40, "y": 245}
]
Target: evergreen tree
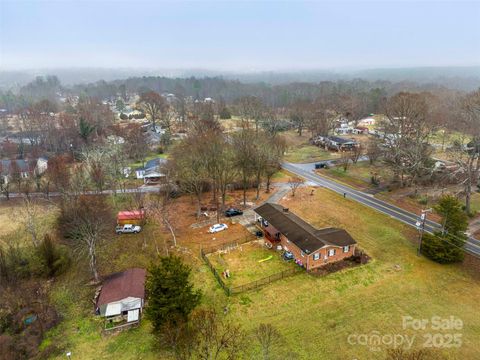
[
  {"x": 171, "y": 296},
  {"x": 447, "y": 246},
  {"x": 225, "y": 113},
  {"x": 454, "y": 218}
]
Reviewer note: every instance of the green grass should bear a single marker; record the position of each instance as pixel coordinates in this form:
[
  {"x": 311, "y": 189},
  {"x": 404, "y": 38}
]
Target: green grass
[
  {"x": 359, "y": 174},
  {"x": 314, "y": 315},
  {"x": 244, "y": 266},
  {"x": 322, "y": 312},
  {"x": 308, "y": 153},
  {"x": 474, "y": 202}
]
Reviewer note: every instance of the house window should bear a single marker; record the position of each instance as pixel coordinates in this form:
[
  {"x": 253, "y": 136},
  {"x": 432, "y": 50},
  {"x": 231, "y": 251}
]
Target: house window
[
  {"x": 331, "y": 252},
  {"x": 316, "y": 256},
  {"x": 346, "y": 248},
  {"x": 302, "y": 253}
]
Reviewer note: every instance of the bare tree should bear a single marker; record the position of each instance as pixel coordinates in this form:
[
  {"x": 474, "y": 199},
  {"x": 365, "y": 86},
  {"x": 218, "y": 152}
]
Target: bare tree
[
  {"x": 86, "y": 221},
  {"x": 251, "y": 109},
  {"x": 373, "y": 151},
  {"x": 321, "y": 117},
  {"x": 274, "y": 150},
  {"x": 356, "y": 153},
  {"x": 345, "y": 159},
  {"x": 178, "y": 336},
  {"x": 294, "y": 183},
  {"x": 4, "y": 183},
  {"x": 216, "y": 338},
  {"x": 406, "y": 130},
  {"x": 243, "y": 145},
  {"x": 268, "y": 336},
  {"x": 153, "y": 104},
  {"x": 29, "y": 216},
  {"x": 299, "y": 115},
  {"x": 467, "y": 156},
  {"x": 188, "y": 169}
]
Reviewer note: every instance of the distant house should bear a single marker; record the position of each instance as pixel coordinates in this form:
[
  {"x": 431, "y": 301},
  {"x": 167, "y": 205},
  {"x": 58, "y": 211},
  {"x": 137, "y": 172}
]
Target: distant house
[
  {"x": 132, "y": 217},
  {"x": 22, "y": 168},
  {"x": 311, "y": 247},
  {"x": 152, "y": 171},
  {"x": 360, "y": 130},
  {"x": 367, "y": 121},
  {"x": 344, "y": 130},
  {"x": 122, "y": 297}
]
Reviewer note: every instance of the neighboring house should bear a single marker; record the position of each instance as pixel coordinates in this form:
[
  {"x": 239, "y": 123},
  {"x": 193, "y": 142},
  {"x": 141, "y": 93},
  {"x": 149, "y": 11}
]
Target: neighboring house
[
  {"x": 367, "y": 121},
  {"x": 344, "y": 130},
  {"x": 23, "y": 168},
  {"x": 122, "y": 297},
  {"x": 311, "y": 247},
  {"x": 152, "y": 171},
  {"x": 334, "y": 143},
  {"x": 360, "y": 130},
  {"x": 133, "y": 217},
  {"x": 339, "y": 143}
]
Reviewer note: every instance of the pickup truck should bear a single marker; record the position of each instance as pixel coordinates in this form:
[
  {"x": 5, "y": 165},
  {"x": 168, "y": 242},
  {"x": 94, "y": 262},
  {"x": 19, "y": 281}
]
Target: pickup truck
[{"x": 128, "y": 229}]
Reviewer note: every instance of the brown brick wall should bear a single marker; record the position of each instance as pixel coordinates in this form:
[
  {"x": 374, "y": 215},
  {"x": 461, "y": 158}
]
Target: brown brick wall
[{"x": 297, "y": 253}]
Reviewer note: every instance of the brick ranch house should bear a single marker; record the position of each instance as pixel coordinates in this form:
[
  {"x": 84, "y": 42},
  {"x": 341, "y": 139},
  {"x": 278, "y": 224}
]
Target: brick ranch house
[{"x": 311, "y": 247}]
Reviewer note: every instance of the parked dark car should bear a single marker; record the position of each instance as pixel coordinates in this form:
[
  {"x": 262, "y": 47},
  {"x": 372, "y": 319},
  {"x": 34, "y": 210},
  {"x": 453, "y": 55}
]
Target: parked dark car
[
  {"x": 233, "y": 212},
  {"x": 287, "y": 255},
  {"x": 321, "y": 165}
]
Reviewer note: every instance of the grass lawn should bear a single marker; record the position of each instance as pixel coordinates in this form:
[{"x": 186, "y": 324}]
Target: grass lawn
[
  {"x": 244, "y": 263},
  {"x": 307, "y": 154},
  {"x": 475, "y": 202},
  {"x": 359, "y": 175},
  {"x": 314, "y": 315},
  {"x": 300, "y": 151},
  {"x": 13, "y": 221}
]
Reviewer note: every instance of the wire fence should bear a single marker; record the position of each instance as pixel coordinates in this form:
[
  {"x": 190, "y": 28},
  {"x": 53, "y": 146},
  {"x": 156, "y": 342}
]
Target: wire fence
[{"x": 251, "y": 285}]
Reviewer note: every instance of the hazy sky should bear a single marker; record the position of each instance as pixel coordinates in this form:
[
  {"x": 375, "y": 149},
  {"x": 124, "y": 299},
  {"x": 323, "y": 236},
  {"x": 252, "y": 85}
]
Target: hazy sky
[{"x": 237, "y": 35}]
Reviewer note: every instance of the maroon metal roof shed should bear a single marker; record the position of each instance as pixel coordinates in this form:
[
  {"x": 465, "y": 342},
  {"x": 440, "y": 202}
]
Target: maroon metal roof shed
[{"x": 118, "y": 286}]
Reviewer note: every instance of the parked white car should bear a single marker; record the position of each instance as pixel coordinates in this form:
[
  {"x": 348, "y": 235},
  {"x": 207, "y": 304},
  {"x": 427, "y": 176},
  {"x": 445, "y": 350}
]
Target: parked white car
[
  {"x": 217, "y": 228},
  {"x": 128, "y": 229}
]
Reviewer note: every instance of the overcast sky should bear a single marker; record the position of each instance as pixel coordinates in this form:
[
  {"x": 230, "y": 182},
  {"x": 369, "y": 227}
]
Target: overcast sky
[{"x": 238, "y": 36}]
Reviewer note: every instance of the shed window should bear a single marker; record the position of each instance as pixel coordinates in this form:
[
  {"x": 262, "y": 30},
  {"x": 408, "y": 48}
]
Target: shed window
[
  {"x": 316, "y": 256},
  {"x": 346, "y": 248}
]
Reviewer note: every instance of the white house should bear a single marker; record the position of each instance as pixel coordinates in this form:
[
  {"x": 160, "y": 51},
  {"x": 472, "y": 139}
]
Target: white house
[
  {"x": 151, "y": 171},
  {"x": 367, "y": 121}
]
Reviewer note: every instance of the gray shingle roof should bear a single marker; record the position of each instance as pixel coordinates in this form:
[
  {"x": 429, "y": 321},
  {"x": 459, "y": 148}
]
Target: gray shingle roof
[{"x": 301, "y": 233}]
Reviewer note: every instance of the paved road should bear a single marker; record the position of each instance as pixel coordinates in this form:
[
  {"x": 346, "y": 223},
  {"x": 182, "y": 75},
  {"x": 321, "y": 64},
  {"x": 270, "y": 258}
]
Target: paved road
[{"x": 306, "y": 171}]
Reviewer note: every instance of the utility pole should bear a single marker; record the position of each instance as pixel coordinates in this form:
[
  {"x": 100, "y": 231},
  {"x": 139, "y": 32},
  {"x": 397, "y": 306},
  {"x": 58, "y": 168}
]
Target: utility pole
[{"x": 421, "y": 227}]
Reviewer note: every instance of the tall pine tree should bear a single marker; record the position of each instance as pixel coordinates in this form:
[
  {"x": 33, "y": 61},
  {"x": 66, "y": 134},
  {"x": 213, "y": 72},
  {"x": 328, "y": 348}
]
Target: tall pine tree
[{"x": 171, "y": 296}]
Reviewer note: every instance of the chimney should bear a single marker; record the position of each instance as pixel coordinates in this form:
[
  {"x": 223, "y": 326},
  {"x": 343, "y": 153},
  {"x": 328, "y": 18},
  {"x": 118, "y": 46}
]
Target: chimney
[{"x": 285, "y": 210}]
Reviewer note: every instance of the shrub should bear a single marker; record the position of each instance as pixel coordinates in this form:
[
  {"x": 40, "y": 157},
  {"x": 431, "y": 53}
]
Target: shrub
[
  {"x": 53, "y": 259},
  {"x": 225, "y": 114},
  {"x": 443, "y": 249},
  {"x": 15, "y": 264},
  {"x": 423, "y": 200}
]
